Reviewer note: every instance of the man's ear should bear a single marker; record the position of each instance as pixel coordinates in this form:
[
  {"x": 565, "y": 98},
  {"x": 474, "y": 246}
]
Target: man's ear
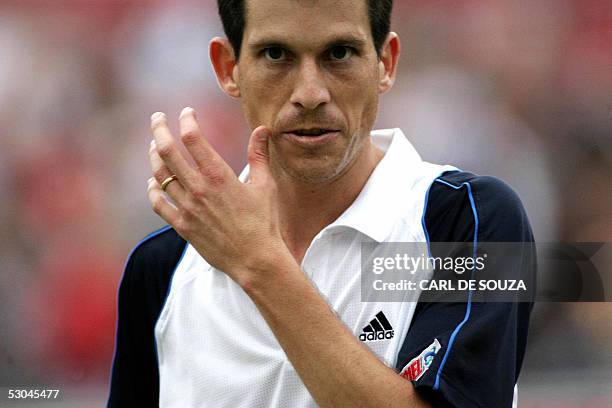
[
  {"x": 389, "y": 56},
  {"x": 224, "y": 62}
]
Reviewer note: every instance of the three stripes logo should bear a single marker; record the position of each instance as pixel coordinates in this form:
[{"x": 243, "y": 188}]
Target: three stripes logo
[{"x": 378, "y": 329}]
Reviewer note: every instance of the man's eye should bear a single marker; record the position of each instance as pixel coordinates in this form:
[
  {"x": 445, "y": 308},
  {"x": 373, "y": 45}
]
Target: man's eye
[
  {"x": 274, "y": 53},
  {"x": 340, "y": 53}
]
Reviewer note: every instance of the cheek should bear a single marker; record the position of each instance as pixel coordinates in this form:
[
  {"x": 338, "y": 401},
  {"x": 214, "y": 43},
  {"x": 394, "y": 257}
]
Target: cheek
[
  {"x": 262, "y": 98},
  {"x": 370, "y": 111},
  {"x": 359, "y": 100}
]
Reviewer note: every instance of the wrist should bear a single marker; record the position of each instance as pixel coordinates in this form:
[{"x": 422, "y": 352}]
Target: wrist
[{"x": 263, "y": 272}]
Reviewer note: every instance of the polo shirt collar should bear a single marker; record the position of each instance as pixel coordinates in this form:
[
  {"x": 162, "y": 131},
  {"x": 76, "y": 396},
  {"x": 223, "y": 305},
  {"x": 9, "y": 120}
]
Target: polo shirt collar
[{"x": 385, "y": 198}]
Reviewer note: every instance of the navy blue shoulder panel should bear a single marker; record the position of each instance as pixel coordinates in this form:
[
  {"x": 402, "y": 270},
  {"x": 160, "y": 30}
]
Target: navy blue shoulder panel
[
  {"x": 481, "y": 344},
  {"x": 501, "y": 215},
  {"x": 142, "y": 293},
  {"x": 449, "y": 213}
]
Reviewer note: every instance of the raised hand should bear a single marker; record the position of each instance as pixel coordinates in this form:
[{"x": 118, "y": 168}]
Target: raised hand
[{"x": 233, "y": 225}]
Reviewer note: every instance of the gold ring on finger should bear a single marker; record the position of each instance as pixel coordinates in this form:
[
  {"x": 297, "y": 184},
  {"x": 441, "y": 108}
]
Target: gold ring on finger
[{"x": 167, "y": 181}]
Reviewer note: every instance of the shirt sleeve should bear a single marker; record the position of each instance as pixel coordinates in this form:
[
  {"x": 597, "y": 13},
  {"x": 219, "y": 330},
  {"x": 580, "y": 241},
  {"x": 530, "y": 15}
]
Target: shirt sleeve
[
  {"x": 142, "y": 293},
  {"x": 469, "y": 354}
]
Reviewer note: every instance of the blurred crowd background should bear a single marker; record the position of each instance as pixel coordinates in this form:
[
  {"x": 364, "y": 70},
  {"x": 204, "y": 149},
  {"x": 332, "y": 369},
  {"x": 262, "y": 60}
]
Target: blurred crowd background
[{"x": 524, "y": 86}]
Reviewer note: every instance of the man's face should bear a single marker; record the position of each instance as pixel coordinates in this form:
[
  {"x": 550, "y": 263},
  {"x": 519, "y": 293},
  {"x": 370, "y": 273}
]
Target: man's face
[{"x": 308, "y": 67}]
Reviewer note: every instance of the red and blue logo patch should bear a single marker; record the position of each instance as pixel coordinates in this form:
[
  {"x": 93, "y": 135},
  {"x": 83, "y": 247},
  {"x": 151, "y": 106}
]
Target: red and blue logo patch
[{"x": 421, "y": 363}]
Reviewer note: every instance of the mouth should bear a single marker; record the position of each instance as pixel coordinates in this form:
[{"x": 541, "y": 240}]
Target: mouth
[
  {"x": 313, "y": 132},
  {"x": 311, "y": 137}
]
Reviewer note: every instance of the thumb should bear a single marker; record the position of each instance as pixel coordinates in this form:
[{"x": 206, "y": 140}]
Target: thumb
[{"x": 258, "y": 155}]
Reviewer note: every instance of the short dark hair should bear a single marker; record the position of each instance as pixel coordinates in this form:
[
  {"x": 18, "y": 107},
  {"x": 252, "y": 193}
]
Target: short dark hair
[{"x": 232, "y": 13}]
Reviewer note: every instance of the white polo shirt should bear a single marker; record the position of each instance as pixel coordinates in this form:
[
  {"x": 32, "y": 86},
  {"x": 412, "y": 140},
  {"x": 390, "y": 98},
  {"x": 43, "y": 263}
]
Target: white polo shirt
[{"x": 216, "y": 350}]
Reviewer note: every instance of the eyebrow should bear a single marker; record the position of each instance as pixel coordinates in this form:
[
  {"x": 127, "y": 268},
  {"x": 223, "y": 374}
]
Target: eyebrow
[{"x": 347, "y": 40}]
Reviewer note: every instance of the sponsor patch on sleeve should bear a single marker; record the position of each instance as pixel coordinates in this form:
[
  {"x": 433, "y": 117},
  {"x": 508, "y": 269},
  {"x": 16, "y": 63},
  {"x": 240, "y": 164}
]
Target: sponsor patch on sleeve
[{"x": 421, "y": 363}]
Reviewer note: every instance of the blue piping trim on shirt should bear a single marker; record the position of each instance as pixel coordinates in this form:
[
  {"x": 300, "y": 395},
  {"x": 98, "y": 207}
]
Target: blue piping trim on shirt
[
  {"x": 142, "y": 241},
  {"x": 469, "y": 303},
  {"x": 423, "y": 219}
]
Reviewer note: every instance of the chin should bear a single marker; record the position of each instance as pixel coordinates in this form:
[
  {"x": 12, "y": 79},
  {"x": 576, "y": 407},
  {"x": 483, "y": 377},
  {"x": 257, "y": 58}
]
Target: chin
[
  {"x": 315, "y": 166},
  {"x": 312, "y": 173}
]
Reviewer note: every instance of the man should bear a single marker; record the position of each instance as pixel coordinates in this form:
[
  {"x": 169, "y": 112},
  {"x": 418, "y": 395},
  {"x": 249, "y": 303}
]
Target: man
[{"x": 251, "y": 296}]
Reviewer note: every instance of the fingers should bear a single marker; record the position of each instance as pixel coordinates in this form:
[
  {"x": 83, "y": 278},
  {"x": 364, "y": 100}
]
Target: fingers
[
  {"x": 169, "y": 153},
  {"x": 210, "y": 165},
  {"x": 161, "y": 172},
  {"x": 160, "y": 204},
  {"x": 208, "y": 161},
  {"x": 258, "y": 154},
  {"x": 204, "y": 155}
]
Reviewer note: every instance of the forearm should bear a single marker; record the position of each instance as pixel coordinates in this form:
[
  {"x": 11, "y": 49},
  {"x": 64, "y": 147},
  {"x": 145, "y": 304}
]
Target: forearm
[{"x": 337, "y": 369}]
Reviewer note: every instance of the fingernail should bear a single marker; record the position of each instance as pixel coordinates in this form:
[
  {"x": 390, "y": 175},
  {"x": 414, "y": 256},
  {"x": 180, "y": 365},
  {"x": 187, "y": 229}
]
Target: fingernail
[
  {"x": 187, "y": 111},
  {"x": 265, "y": 132},
  {"x": 157, "y": 116}
]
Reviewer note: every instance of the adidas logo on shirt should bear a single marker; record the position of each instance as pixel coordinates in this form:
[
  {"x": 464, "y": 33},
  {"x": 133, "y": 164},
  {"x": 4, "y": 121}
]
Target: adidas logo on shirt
[{"x": 378, "y": 329}]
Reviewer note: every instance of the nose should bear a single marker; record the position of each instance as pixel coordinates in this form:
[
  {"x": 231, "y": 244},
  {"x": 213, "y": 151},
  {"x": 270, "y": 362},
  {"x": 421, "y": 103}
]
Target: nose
[{"x": 310, "y": 89}]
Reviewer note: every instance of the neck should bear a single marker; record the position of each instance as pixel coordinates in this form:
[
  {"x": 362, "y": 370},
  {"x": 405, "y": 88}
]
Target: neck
[{"x": 306, "y": 208}]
